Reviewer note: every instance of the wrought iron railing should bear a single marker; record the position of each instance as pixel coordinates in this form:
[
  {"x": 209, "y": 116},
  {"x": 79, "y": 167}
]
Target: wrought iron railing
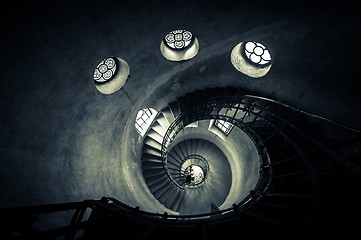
[
  {"x": 253, "y": 112},
  {"x": 252, "y": 109}
]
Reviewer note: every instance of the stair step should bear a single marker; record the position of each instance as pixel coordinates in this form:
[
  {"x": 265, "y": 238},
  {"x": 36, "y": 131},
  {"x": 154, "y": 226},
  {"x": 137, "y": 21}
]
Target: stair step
[
  {"x": 155, "y": 135},
  {"x": 151, "y": 150},
  {"x": 162, "y": 120},
  {"x": 156, "y": 171},
  {"x": 152, "y": 143},
  {"x": 174, "y": 107},
  {"x": 160, "y": 188},
  {"x": 147, "y": 157},
  {"x": 169, "y": 196},
  {"x": 159, "y": 179},
  {"x": 159, "y": 128},
  {"x": 146, "y": 165},
  {"x": 167, "y": 114}
]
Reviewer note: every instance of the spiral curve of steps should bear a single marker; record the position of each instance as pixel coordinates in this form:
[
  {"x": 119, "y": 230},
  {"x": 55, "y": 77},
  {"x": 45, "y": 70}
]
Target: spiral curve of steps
[
  {"x": 290, "y": 200},
  {"x": 278, "y": 170}
]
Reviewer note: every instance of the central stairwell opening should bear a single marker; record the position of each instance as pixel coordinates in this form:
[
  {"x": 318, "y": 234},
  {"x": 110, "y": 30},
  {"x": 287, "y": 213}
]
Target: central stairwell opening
[{"x": 219, "y": 160}]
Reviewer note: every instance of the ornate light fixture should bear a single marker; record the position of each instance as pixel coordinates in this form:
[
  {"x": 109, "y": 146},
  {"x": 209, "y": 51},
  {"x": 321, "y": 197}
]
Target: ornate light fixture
[
  {"x": 111, "y": 74},
  {"x": 179, "y": 45},
  {"x": 251, "y": 58}
]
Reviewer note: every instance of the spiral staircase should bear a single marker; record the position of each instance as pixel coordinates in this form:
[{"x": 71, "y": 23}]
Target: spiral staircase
[{"x": 303, "y": 176}]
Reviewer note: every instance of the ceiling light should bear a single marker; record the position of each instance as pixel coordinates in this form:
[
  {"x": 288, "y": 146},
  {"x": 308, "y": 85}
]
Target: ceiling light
[
  {"x": 179, "y": 45},
  {"x": 111, "y": 74},
  {"x": 251, "y": 58}
]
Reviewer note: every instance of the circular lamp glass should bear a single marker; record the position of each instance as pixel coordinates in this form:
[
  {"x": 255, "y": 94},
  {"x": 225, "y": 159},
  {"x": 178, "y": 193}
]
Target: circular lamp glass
[
  {"x": 179, "y": 45},
  {"x": 251, "y": 58},
  {"x": 111, "y": 74}
]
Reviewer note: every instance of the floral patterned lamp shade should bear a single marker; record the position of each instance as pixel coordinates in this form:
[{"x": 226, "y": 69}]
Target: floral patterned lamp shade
[
  {"x": 111, "y": 74},
  {"x": 251, "y": 58},
  {"x": 179, "y": 45}
]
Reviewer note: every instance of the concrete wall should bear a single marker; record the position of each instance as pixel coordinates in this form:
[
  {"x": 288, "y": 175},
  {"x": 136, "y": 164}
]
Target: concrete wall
[{"x": 61, "y": 140}]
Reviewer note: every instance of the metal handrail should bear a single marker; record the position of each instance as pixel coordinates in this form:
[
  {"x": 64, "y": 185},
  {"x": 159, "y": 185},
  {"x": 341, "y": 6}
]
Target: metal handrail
[
  {"x": 113, "y": 207},
  {"x": 205, "y": 110}
]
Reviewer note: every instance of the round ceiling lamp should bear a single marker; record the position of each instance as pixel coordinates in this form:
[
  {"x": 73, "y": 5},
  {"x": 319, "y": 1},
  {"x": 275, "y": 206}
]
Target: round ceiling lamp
[
  {"x": 251, "y": 58},
  {"x": 111, "y": 74},
  {"x": 179, "y": 45}
]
